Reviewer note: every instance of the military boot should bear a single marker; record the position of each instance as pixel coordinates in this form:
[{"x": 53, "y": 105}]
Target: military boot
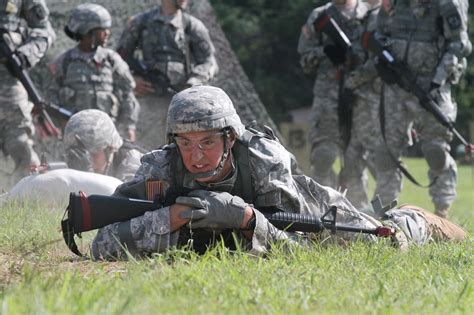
[
  {"x": 442, "y": 211},
  {"x": 439, "y": 228}
]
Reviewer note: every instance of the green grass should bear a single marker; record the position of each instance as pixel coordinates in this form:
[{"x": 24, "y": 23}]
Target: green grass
[{"x": 39, "y": 276}]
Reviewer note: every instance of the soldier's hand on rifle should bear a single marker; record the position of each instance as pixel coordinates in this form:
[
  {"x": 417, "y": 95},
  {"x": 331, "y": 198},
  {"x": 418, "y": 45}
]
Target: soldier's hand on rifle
[
  {"x": 143, "y": 87},
  {"x": 219, "y": 210}
]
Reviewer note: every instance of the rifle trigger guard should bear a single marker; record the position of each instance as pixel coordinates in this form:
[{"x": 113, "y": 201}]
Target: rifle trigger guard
[{"x": 331, "y": 222}]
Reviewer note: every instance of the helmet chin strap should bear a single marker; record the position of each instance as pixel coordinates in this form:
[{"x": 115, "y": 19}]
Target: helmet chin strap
[{"x": 220, "y": 166}]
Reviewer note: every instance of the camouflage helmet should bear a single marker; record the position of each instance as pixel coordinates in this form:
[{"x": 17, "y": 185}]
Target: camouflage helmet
[
  {"x": 86, "y": 17},
  {"x": 202, "y": 108},
  {"x": 93, "y": 129}
]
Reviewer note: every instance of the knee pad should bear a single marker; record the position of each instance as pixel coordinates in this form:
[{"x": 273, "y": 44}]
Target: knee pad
[{"x": 435, "y": 154}]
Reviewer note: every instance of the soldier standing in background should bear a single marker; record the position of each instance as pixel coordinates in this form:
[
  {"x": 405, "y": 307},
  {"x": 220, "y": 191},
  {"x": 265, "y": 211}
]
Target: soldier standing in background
[
  {"x": 91, "y": 76},
  {"x": 16, "y": 127},
  {"x": 430, "y": 38},
  {"x": 176, "y": 52},
  {"x": 318, "y": 53}
]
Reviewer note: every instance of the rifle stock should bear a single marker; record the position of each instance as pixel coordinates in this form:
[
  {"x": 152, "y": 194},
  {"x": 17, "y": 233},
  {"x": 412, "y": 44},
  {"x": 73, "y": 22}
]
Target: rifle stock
[
  {"x": 404, "y": 78},
  {"x": 88, "y": 213},
  {"x": 41, "y": 107}
]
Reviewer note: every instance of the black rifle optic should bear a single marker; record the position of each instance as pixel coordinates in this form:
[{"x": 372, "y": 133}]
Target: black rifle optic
[
  {"x": 89, "y": 213},
  {"x": 41, "y": 108},
  {"x": 393, "y": 71}
]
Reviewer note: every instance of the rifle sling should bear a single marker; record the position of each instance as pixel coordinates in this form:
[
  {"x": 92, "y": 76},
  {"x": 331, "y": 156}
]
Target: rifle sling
[{"x": 397, "y": 162}]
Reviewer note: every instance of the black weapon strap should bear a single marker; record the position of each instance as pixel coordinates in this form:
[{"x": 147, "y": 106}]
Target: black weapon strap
[{"x": 397, "y": 162}]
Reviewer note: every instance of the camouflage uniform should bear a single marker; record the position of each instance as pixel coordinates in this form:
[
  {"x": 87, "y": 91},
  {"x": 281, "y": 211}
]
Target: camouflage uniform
[
  {"x": 430, "y": 36},
  {"x": 177, "y": 52},
  {"x": 91, "y": 131},
  {"x": 98, "y": 79},
  {"x": 262, "y": 177},
  {"x": 325, "y": 135},
  {"x": 359, "y": 154},
  {"x": 16, "y": 126}
]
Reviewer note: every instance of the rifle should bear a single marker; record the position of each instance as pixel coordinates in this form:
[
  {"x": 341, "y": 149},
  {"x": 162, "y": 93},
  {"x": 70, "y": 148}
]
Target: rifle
[
  {"x": 41, "y": 108},
  {"x": 340, "y": 54},
  {"x": 393, "y": 71},
  {"x": 89, "y": 213}
]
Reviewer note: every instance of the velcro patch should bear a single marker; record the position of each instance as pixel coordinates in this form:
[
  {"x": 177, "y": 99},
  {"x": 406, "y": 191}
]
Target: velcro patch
[{"x": 154, "y": 190}]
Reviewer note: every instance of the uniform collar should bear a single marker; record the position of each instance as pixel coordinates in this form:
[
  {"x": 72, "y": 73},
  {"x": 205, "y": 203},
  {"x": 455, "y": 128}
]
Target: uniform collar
[{"x": 176, "y": 20}]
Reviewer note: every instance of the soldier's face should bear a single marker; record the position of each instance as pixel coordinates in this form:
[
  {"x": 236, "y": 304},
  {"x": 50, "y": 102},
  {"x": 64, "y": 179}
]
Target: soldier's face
[
  {"x": 99, "y": 162},
  {"x": 101, "y": 36},
  {"x": 202, "y": 151}
]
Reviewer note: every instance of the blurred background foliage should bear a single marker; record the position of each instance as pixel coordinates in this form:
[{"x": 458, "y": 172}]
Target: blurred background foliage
[{"x": 264, "y": 35}]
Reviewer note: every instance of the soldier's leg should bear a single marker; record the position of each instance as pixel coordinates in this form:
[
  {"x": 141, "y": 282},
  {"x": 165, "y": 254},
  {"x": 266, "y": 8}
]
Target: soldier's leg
[
  {"x": 18, "y": 128},
  {"x": 359, "y": 156},
  {"x": 435, "y": 140},
  {"x": 354, "y": 177},
  {"x": 324, "y": 134},
  {"x": 397, "y": 123}
]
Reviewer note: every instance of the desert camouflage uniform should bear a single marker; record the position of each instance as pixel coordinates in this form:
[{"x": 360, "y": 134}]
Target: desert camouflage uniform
[
  {"x": 16, "y": 126},
  {"x": 179, "y": 50},
  {"x": 262, "y": 176},
  {"x": 434, "y": 55},
  {"x": 325, "y": 136},
  {"x": 98, "y": 79}
]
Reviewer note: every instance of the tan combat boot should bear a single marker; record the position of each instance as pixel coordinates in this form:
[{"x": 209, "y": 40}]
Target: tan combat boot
[{"x": 439, "y": 228}]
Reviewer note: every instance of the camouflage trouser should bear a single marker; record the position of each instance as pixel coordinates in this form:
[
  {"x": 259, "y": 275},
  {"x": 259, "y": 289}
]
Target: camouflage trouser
[
  {"x": 16, "y": 126},
  {"x": 359, "y": 154},
  {"x": 324, "y": 136},
  {"x": 151, "y": 125},
  {"x": 401, "y": 110}
]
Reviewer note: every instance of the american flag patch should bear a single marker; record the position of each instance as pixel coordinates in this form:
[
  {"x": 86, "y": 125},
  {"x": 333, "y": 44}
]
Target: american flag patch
[{"x": 154, "y": 190}]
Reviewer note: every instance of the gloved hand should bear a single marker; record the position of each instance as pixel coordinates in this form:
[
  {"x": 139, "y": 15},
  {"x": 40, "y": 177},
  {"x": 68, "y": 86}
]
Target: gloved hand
[
  {"x": 336, "y": 54},
  {"x": 218, "y": 210}
]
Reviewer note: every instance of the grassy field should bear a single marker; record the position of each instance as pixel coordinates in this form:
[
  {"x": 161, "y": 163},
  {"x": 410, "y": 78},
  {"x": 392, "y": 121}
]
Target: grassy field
[{"x": 38, "y": 275}]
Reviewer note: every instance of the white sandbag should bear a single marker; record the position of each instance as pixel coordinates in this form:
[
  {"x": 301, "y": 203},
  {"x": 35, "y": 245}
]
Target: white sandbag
[{"x": 54, "y": 186}]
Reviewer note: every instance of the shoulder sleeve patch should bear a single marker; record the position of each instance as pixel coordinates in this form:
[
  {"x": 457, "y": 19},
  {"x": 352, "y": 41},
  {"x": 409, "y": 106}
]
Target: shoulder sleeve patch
[{"x": 154, "y": 190}]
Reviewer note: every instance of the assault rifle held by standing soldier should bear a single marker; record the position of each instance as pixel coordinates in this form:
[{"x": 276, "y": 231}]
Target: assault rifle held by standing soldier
[
  {"x": 395, "y": 71},
  {"x": 41, "y": 108}
]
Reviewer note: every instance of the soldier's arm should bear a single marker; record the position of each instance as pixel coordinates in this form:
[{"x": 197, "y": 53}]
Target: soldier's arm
[
  {"x": 55, "y": 79},
  {"x": 40, "y": 34},
  {"x": 457, "y": 45},
  {"x": 130, "y": 38},
  {"x": 310, "y": 44},
  {"x": 124, "y": 84},
  {"x": 203, "y": 52}
]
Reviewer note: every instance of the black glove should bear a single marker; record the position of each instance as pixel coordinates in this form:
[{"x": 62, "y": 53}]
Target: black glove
[
  {"x": 218, "y": 210},
  {"x": 336, "y": 54},
  {"x": 385, "y": 73}
]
